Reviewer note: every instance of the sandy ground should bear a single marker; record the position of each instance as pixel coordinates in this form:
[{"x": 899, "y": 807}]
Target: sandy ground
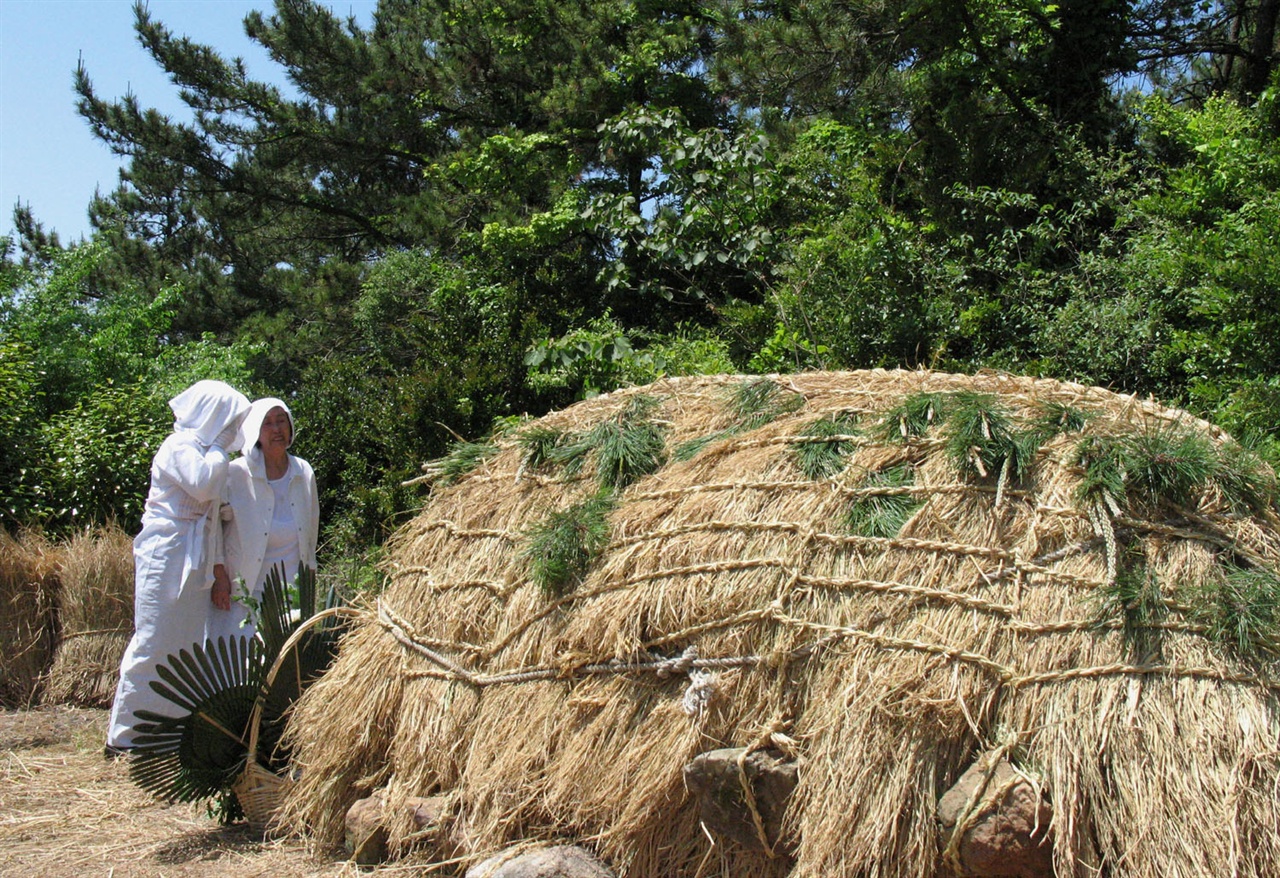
[{"x": 66, "y": 812}]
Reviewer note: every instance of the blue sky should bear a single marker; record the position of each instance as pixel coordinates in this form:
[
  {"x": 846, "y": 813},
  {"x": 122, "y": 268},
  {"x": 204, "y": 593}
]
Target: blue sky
[{"x": 48, "y": 157}]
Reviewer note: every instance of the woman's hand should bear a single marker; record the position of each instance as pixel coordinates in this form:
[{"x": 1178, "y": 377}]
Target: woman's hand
[{"x": 221, "y": 595}]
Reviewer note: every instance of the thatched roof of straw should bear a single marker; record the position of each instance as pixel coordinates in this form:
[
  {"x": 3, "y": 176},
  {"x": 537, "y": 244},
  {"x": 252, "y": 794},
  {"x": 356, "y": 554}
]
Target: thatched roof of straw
[{"x": 1081, "y": 581}]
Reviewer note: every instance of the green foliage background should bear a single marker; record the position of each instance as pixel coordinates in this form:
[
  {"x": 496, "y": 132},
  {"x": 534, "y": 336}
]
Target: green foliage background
[{"x": 476, "y": 211}]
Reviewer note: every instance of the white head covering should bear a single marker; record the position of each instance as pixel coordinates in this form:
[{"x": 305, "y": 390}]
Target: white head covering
[
  {"x": 251, "y": 427},
  {"x": 207, "y": 408}
]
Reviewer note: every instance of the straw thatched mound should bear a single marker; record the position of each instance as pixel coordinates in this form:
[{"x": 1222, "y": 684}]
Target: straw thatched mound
[
  {"x": 28, "y": 578},
  {"x": 885, "y": 575},
  {"x": 95, "y": 614}
]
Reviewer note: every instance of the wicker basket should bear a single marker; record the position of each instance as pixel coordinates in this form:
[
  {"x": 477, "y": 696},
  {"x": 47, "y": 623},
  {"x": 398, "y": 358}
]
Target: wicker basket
[{"x": 258, "y": 789}]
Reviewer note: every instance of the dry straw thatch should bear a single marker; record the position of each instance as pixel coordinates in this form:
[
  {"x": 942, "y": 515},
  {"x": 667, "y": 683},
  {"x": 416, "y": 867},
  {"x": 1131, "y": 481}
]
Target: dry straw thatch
[
  {"x": 95, "y": 613},
  {"x": 28, "y": 578},
  {"x": 1061, "y": 584}
]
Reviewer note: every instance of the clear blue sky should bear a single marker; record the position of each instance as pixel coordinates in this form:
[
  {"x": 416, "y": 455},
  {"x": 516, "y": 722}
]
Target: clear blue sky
[{"x": 48, "y": 157}]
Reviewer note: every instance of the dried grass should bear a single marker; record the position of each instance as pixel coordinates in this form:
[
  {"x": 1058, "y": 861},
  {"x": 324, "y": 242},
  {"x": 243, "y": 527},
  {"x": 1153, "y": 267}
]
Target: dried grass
[
  {"x": 28, "y": 579},
  {"x": 95, "y": 602},
  {"x": 892, "y": 662}
]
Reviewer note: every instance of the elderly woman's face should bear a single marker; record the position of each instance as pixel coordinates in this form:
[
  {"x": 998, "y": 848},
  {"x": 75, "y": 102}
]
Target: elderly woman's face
[{"x": 276, "y": 431}]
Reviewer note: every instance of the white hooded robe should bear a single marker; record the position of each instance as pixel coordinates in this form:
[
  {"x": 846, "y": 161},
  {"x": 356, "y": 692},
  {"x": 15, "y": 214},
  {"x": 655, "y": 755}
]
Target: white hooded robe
[{"x": 173, "y": 554}]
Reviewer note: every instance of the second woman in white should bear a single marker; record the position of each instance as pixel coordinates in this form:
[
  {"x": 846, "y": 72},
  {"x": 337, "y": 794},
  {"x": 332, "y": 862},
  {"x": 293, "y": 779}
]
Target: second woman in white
[{"x": 274, "y": 516}]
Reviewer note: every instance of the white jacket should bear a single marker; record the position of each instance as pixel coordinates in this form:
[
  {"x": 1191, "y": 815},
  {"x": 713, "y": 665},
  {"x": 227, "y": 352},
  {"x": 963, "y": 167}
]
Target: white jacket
[{"x": 252, "y": 503}]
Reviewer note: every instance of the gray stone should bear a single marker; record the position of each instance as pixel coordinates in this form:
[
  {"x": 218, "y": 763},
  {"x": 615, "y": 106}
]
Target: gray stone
[
  {"x": 713, "y": 779},
  {"x": 1010, "y": 838},
  {"x": 561, "y": 861}
]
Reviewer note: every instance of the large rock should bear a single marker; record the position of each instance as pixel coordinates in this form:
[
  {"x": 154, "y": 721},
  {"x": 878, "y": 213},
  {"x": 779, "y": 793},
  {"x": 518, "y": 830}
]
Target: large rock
[
  {"x": 713, "y": 778},
  {"x": 366, "y": 824},
  {"x": 1010, "y": 836},
  {"x": 561, "y": 861}
]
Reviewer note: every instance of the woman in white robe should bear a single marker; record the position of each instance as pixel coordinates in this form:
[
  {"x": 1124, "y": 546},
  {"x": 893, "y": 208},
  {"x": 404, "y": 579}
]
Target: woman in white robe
[
  {"x": 173, "y": 555},
  {"x": 273, "y": 522}
]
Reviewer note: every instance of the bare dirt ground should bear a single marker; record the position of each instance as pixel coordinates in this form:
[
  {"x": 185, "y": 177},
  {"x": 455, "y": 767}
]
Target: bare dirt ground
[{"x": 66, "y": 812}]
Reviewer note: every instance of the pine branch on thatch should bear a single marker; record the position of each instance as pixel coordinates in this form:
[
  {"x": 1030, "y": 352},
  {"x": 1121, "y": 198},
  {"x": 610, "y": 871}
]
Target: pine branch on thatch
[
  {"x": 624, "y": 448},
  {"x": 1135, "y": 599},
  {"x": 757, "y": 401},
  {"x": 912, "y": 417},
  {"x": 884, "y": 514},
  {"x": 829, "y": 447},
  {"x": 461, "y": 459},
  {"x": 562, "y": 547},
  {"x": 1246, "y": 482},
  {"x": 753, "y": 403},
  {"x": 1054, "y": 418},
  {"x": 980, "y": 438},
  {"x": 1242, "y": 611},
  {"x": 691, "y": 448},
  {"x": 628, "y": 447},
  {"x": 1173, "y": 466},
  {"x": 539, "y": 445},
  {"x": 1169, "y": 465}
]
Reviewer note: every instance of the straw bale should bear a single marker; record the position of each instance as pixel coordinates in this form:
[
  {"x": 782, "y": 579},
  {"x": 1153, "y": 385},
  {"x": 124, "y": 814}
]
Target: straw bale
[
  {"x": 733, "y": 607},
  {"x": 28, "y": 579},
  {"x": 95, "y": 601}
]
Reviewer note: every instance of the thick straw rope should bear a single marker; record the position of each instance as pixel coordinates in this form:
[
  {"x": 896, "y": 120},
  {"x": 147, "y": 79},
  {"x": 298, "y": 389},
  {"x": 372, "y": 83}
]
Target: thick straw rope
[{"x": 689, "y": 660}]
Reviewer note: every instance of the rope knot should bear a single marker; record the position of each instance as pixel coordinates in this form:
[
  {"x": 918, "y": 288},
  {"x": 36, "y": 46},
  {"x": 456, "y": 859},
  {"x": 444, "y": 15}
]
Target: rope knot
[
  {"x": 702, "y": 688},
  {"x": 680, "y": 664}
]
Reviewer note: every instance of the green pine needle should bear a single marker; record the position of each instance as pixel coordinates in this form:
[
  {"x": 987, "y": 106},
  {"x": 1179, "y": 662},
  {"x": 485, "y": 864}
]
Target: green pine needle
[
  {"x": 1168, "y": 465},
  {"x": 1247, "y": 483},
  {"x": 883, "y": 515},
  {"x": 629, "y": 446},
  {"x": 1055, "y": 418},
  {"x": 912, "y": 417},
  {"x": 757, "y": 401},
  {"x": 461, "y": 459},
  {"x": 819, "y": 459},
  {"x": 562, "y": 547},
  {"x": 539, "y": 445},
  {"x": 1134, "y": 598},
  {"x": 1242, "y": 612},
  {"x": 980, "y": 438},
  {"x": 1102, "y": 459},
  {"x": 691, "y": 448}
]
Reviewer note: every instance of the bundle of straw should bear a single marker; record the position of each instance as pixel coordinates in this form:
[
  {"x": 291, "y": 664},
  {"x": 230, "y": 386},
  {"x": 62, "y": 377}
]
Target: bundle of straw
[
  {"x": 95, "y": 608},
  {"x": 28, "y": 578},
  {"x": 895, "y": 572}
]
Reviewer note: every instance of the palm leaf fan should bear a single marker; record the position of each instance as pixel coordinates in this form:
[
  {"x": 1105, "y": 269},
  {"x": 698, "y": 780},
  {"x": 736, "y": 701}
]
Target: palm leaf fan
[{"x": 197, "y": 754}]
